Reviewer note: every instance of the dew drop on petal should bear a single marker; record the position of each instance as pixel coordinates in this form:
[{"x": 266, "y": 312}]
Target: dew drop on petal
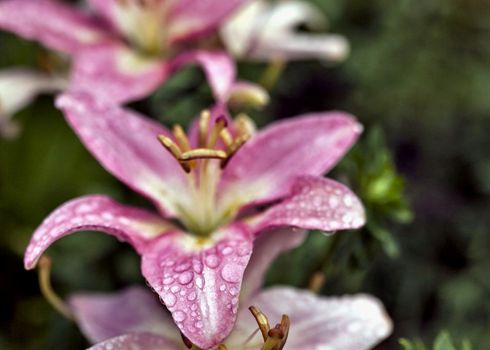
[
  {"x": 231, "y": 273},
  {"x": 199, "y": 282},
  {"x": 179, "y": 316},
  {"x": 169, "y": 299},
  {"x": 185, "y": 277},
  {"x": 212, "y": 261}
]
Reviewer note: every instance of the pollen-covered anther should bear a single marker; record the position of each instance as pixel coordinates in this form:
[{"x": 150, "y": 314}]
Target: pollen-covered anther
[
  {"x": 274, "y": 338},
  {"x": 208, "y": 138}
]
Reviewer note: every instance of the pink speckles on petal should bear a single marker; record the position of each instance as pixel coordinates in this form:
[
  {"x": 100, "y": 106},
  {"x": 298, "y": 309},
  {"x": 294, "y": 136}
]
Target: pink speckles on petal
[
  {"x": 199, "y": 283},
  {"x": 135, "y": 341},
  {"x": 116, "y": 73},
  {"x": 267, "y": 165},
  {"x": 316, "y": 203},
  {"x": 95, "y": 213},
  {"x": 57, "y": 26},
  {"x": 126, "y": 144},
  {"x": 356, "y": 322}
]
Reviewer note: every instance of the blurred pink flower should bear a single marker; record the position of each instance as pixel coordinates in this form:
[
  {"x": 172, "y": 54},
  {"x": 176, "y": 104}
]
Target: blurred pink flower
[
  {"x": 215, "y": 194},
  {"x": 262, "y": 30},
  {"x": 132, "y": 318},
  {"x": 124, "y": 49}
]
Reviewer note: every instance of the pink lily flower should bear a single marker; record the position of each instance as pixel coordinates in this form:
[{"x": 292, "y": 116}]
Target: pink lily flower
[
  {"x": 263, "y": 31},
  {"x": 215, "y": 190},
  {"x": 18, "y": 87},
  {"x": 123, "y": 49},
  {"x": 132, "y": 318}
]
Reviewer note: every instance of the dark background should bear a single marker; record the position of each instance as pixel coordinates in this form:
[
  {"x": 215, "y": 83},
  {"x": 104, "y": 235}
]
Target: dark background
[{"x": 418, "y": 78}]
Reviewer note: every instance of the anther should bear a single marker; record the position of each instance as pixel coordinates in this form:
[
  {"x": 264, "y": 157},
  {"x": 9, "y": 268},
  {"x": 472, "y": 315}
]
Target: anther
[
  {"x": 174, "y": 150},
  {"x": 244, "y": 125},
  {"x": 204, "y": 127},
  {"x": 226, "y": 137},
  {"x": 203, "y": 153},
  {"x": 222, "y": 347},
  {"x": 262, "y": 321},
  {"x": 234, "y": 147},
  {"x": 216, "y": 131}
]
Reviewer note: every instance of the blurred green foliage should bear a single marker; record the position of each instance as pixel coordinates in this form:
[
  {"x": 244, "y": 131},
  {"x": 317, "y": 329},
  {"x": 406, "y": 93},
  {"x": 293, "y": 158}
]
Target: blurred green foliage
[
  {"x": 418, "y": 79},
  {"x": 442, "y": 342}
]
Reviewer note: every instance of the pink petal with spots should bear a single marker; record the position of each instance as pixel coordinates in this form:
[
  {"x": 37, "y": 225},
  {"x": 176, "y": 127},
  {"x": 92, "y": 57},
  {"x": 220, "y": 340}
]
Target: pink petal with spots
[
  {"x": 55, "y": 25},
  {"x": 95, "y": 213},
  {"x": 102, "y": 316},
  {"x": 199, "y": 280},
  {"x": 315, "y": 203},
  {"x": 218, "y": 66},
  {"x": 126, "y": 144},
  {"x": 356, "y": 322},
  {"x": 116, "y": 73},
  {"x": 133, "y": 341},
  {"x": 267, "y": 165},
  {"x": 190, "y": 19},
  {"x": 267, "y": 247}
]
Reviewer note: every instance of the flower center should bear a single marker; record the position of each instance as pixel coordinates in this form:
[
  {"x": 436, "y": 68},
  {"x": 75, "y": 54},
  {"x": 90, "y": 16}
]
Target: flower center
[
  {"x": 204, "y": 164},
  {"x": 143, "y": 24}
]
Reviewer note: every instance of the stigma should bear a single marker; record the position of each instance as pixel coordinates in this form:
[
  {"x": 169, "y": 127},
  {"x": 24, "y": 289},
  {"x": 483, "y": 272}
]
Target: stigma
[{"x": 208, "y": 138}]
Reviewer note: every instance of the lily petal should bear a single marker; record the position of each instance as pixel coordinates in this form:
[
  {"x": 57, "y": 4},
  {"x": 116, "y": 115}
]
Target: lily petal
[
  {"x": 116, "y": 73},
  {"x": 125, "y": 143},
  {"x": 315, "y": 203},
  {"x": 190, "y": 19},
  {"x": 199, "y": 280},
  {"x": 147, "y": 341},
  {"x": 343, "y": 323},
  {"x": 218, "y": 66},
  {"x": 278, "y": 37},
  {"x": 95, "y": 213},
  {"x": 266, "y": 166},
  {"x": 102, "y": 316},
  {"x": 19, "y": 86},
  {"x": 267, "y": 247},
  {"x": 55, "y": 25}
]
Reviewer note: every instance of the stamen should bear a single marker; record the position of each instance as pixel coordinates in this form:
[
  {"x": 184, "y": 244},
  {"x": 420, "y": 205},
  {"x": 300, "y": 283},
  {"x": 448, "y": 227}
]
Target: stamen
[
  {"x": 204, "y": 127},
  {"x": 222, "y": 347},
  {"x": 218, "y": 127},
  {"x": 47, "y": 289},
  {"x": 181, "y": 138},
  {"x": 174, "y": 150},
  {"x": 203, "y": 153},
  {"x": 244, "y": 125},
  {"x": 234, "y": 147},
  {"x": 262, "y": 321},
  {"x": 226, "y": 137}
]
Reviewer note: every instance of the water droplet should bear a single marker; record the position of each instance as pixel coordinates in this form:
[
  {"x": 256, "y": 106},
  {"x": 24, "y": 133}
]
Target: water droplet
[
  {"x": 186, "y": 277},
  {"x": 175, "y": 289},
  {"x": 212, "y": 261},
  {"x": 197, "y": 265},
  {"x": 222, "y": 288},
  {"x": 231, "y": 273},
  {"x": 179, "y": 316},
  {"x": 182, "y": 267},
  {"x": 168, "y": 280},
  {"x": 227, "y": 250},
  {"x": 192, "y": 296},
  {"x": 199, "y": 282},
  {"x": 243, "y": 249},
  {"x": 169, "y": 299},
  {"x": 199, "y": 324},
  {"x": 233, "y": 291}
]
